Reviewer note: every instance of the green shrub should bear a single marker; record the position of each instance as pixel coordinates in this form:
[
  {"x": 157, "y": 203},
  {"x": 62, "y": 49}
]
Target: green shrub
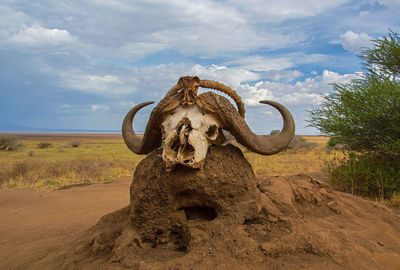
[
  {"x": 16, "y": 147},
  {"x": 366, "y": 174},
  {"x": 364, "y": 115},
  {"x": 9, "y": 142},
  {"x": 334, "y": 140},
  {"x": 298, "y": 143},
  {"x": 43, "y": 145},
  {"x": 75, "y": 144},
  {"x": 274, "y": 132}
]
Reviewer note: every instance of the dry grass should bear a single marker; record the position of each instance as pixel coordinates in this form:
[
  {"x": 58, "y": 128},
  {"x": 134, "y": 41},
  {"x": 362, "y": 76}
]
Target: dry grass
[
  {"x": 101, "y": 158},
  {"x": 104, "y": 157},
  {"x": 97, "y": 159},
  {"x": 295, "y": 161},
  {"x": 394, "y": 202},
  {"x": 38, "y": 174}
]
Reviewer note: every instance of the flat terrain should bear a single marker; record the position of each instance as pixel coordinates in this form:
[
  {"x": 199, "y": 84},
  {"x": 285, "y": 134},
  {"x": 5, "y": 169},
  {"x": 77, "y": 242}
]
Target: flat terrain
[
  {"x": 68, "y": 136},
  {"x": 101, "y": 158},
  {"x": 96, "y": 158}
]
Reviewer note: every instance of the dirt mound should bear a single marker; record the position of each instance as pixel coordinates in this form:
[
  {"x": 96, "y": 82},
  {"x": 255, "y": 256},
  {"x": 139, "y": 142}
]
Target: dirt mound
[{"x": 222, "y": 217}]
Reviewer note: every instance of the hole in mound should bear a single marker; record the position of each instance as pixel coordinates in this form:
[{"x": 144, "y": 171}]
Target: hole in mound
[{"x": 200, "y": 213}]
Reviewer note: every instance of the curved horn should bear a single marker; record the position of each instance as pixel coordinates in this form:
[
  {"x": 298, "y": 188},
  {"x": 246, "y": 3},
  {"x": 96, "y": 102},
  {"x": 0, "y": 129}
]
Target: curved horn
[
  {"x": 132, "y": 141},
  {"x": 152, "y": 136},
  {"x": 221, "y": 108},
  {"x": 276, "y": 143},
  {"x": 227, "y": 90}
]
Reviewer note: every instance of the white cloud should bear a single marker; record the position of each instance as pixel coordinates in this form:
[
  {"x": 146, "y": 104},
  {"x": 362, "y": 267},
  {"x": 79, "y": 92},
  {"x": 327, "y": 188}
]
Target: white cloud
[
  {"x": 307, "y": 92},
  {"x": 11, "y": 20},
  {"x": 282, "y": 75},
  {"x": 355, "y": 42},
  {"x": 277, "y": 11},
  {"x": 231, "y": 76},
  {"x": 299, "y": 93},
  {"x": 127, "y": 104},
  {"x": 140, "y": 28},
  {"x": 140, "y": 49},
  {"x": 38, "y": 36},
  {"x": 98, "y": 107},
  {"x": 102, "y": 79},
  {"x": 152, "y": 82},
  {"x": 102, "y": 85},
  {"x": 364, "y": 13},
  {"x": 269, "y": 113},
  {"x": 394, "y": 4},
  {"x": 260, "y": 63}
]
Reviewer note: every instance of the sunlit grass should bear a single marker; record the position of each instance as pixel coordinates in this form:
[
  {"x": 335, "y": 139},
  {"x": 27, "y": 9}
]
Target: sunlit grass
[
  {"x": 306, "y": 161},
  {"x": 101, "y": 159},
  {"x": 96, "y": 160}
]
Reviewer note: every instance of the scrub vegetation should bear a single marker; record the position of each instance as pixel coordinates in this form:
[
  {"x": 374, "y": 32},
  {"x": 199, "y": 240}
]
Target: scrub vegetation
[
  {"x": 58, "y": 160},
  {"x": 103, "y": 157},
  {"x": 365, "y": 115}
]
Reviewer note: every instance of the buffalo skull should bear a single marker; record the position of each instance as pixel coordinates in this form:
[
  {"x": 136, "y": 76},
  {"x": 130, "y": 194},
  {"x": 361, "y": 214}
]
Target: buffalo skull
[{"x": 188, "y": 124}]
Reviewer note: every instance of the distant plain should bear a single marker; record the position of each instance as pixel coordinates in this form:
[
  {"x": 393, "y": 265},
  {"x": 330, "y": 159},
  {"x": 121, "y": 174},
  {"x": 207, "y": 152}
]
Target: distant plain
[{"x": 101, "y": 158}]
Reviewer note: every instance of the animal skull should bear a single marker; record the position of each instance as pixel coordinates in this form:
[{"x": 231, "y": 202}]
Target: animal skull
[
  {"x": 187, "y": 134},
  {"x": 189, "y": 124}
]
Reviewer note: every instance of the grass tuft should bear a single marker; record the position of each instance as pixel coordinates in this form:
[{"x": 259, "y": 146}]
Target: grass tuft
[
  {"x": 38, "y": 174},
  {"x": 43, "y": 145}
]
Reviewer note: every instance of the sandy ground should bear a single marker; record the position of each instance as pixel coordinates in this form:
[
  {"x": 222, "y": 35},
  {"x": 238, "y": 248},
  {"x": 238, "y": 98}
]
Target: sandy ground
[{"x": 36, "y": 222}]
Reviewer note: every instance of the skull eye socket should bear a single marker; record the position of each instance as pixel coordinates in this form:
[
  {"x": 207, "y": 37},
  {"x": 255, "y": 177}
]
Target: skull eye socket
[{"x": 212, "y": 132}]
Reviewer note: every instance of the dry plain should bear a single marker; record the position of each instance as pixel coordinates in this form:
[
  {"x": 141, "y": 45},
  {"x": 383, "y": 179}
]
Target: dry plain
[
  {"x": 101, "y": 158},
  {"x": 53, "y": 194}
]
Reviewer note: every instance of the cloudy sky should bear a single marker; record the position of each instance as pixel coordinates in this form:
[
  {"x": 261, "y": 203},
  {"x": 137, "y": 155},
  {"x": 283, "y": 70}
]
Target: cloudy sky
[{"x": 84, "y": 64}]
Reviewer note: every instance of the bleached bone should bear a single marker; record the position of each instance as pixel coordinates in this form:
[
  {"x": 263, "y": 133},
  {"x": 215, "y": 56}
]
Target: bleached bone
[
  {"x": 187, "y": 134},
  {"x": 189, "y": 124}
]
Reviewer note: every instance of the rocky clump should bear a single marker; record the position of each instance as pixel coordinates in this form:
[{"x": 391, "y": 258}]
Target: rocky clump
[{"x": 222, "y": 217}]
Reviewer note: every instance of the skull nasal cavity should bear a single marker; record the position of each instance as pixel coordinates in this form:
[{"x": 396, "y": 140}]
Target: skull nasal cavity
[{"x": 184, "y": 122}]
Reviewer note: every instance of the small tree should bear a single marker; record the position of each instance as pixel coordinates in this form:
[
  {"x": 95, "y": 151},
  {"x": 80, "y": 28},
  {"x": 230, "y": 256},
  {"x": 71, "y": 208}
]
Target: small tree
[
  {"x": 275, "y": 132},
  {"x": 383, "y": 58},
  {"x": 365, "y": 114}
]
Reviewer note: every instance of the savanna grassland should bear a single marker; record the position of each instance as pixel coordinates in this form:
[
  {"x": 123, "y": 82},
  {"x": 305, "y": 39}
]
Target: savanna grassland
[{"x": 56, "y": 160}]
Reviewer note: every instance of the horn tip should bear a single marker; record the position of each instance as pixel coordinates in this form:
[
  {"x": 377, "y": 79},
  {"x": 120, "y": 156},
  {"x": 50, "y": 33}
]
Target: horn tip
[{"x": 265, "y": 101}]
